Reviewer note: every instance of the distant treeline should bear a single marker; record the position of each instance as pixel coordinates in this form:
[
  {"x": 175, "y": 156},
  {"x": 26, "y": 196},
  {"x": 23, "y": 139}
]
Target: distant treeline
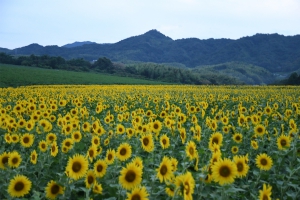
[
  {"x": 294, "y": 79},
  {"x": 150, "y": 71}
]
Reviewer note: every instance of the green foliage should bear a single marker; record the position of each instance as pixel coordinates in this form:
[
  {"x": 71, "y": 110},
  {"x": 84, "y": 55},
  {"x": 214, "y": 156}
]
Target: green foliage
[
  {"x": 14, "y": 76},
  {"x": 294, "y": 79}
]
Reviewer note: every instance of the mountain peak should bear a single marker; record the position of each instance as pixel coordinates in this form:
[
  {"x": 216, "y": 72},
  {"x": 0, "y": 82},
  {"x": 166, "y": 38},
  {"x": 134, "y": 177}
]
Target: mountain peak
[{"x": 156, "y": 34}]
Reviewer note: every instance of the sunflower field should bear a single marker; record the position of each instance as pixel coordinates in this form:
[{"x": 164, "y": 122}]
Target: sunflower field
[{"x": 150, "y": 142}]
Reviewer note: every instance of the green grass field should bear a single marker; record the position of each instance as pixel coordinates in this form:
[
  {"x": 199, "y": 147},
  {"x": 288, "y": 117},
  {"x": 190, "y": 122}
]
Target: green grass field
[{"x": 14, "y": 76}]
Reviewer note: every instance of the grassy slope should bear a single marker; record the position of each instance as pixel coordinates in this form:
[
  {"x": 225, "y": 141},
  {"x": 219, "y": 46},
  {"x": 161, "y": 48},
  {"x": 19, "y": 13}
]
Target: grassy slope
[
  {"x": 14, "y": 76},
  {"x": 250, "y": 74}
]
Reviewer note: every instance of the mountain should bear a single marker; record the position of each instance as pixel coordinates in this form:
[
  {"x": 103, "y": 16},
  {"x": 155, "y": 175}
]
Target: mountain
[
  {"x": 77, "y": 44},
  {"x": 274, "y": 52}
]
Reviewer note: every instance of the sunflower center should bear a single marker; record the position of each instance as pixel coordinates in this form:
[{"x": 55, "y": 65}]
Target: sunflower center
[
  {"x": 186, "y": 188},
  {"x": 155, "y": 126},
  {"x": 265, "y": 197},
  {"x": 109, "y": 157},
  {"x": 283, "y": 142},
  {"x": 91, "y": 179},
  {"x": 33, "y": 157},
  {"x": 76, "y": 136},
  {"x": 99, "y": 168},
  {"x": 145, "y": 141},
  {"x": 240, "y": 167},
  {"x": 43, "y": 146},
  {"x": 259, "y": 130},
  {"x": 15, "y": 160},
  {"x": 238, "y": 138},
  {"x": 130, "y": 176},
  {"x": 164, "y": 141},
  {"x": 95, "y": 141},
  {"x": 19, "y": 186},
  {"x": 91, "y": 153},
  {"x": 263, "y": 161},
  {"x": 25, "y": 140},
  {"x": 224, "y": 171},
  {"x": 76, "y": 166},
  {"x": 54, "y": 189},
  {"x": 136, "y": 197},
  {"x": 5, "y": 160},
  {"x": 163, "y": 170},
  {"x": 123, "y": 151},
  {"x": 215, "y": 140},
  {"x": 191, "y": 150},
  {"x": 68, "y": 144}
]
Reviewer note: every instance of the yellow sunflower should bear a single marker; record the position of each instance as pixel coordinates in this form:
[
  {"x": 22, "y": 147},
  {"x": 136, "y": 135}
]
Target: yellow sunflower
[
  {"x": 191, "y": 150},
  {"x": 147, "y": 142},
  {"x": 4, "y": 160},
  {"x": 164, "y": 141},
  {"x": 156, "y": 127},
  {"x": 27, "y": 140},
  {"x": 215, "y": 157},
  {"x": 283, "y": 142},
  {"x": 86, "y": 127},
  {"x": 215, "y": 138},
  {"x": 53, "y": 190},
  {"x": 90, "y": 178},
  {"x": 19, "y": 186},
  {"x": 237, "y": 137},
  {"x": 138, "y": 162},
  {"x": 8, "y": 138},
  {"x": 139, "y": 193},
  {"x": 131, "y": 176},
  {"x": 186, "y": 184},
  {"x": 92, "y": 152},
  {"x": 43, "y": 146},
  {"x": 96, "y": 140},
  {"x": 120, "y": 129},
  {"x": 77, "y": 166},
  {"x": 100, "y": 168},
  {"x": 241, "y": 165},
  {"x": 97, "y": 188},
  {"x": 33, "y": 157},
  {"x": 14, "y": 159},
  {"x": 254, "y": 144},
  {"x": 174, "y": 163},
  {"x": 164, "y": 171},
  {"x": 110, "y": 156},
  {"x": 265, "y": 193},
  {"x": 51, "y": 137},
  {"x": 264, "y": 162},
  {"x": 54, "y": 149},
  {"x": 234, "y": 149},
  {"x": 124, "y": 151},
  {"x": 15, "y": 138},
  {"x": 76, "y": 136},
  {"x": 68, "y": 142},
  {"x": 182, "y": 133},
  {"x": 224, "y": 171},
  {"x": 259, "y": 130}
]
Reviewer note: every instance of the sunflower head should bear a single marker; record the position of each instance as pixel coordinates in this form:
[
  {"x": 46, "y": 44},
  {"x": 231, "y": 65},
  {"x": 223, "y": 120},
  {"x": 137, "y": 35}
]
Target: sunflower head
[
  {"x": 77, "y": 166},
  {"x": 131, "y": 176},
  {"x": 19, "y": 186},
  {"x": 224, "y": 171},
  {"x": 124, "y": 151},
  {"x": 264, "y": 162},
  {"x": 53, "y": 190}
]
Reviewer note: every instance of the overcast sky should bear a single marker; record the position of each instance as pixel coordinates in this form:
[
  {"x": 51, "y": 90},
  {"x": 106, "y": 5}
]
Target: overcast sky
[{"x": 59, "y": 22}]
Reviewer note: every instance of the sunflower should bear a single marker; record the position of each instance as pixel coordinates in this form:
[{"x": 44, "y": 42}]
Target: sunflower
[
  {"x": 164, "y": 141},
  {"x": 241, "y": 165},
  {"x": 33, "y": 157},
  {"x": 156, "y": 127},
  {"x": 92, "y": 152},
  {"x": 110, "y": 156},
  {"x": 51, "y": 137},
  {"x": 164, "y": 171},
  {"x": 241, "y": 120},
  {"x": 213, "y": 125},
  {"x": 124, "y": 151},
  {"x": 182, "y": 133},
  {"x": 265, "y": 193},
  {"x": 224, "y": 171},
  {"x": 131, "y": 176},
  {"x": 43, "y": 145},
  {"x": 54, "y": 149},
  {"x": 186, "y": 184},
  {"x": 264, "y": 162},
  {"x": 68, "y": 142},
  {"x": 259, "y": 130},
  {"x": 197, "y": 133},
  {"x": 86, "y": 127},
  {"x": 8, "y": 138},
  {"x": 15, "y": 138},
  {"x": 4, "y": 160},
  {"x": 19, "y": 186},
  {"x": 237, "y": 137},
  {"x": 190, "y": 150},
  {"x": 215, "y": 138},
  {"x": 215, "y": 157},
  {"x": 100, "y": 168},
  {"x": 97, "y": 188},
  {"x": 254, "y": 144},
  {"x": 27, "y": 140},
  {"x": 21, "y": 123},
  {"x": 268, "y": 110},
  {"x": 14, "y": 159},
  {"x": 120, "y": 129},
  {"x": 234, "y": 149},
  {"x": 130, "y": 132},
  {"x": 90, "y": 178},
  {"x": 139, "y": 193},
  {"x": 96, "y": 140},
  {"x": 77, "y": 166},
  {"x": 147, "y": 142},
  {"x": 283, "y": 142},
  {"x": 170, "y": 190},
  {"x": 30, "y": 125},
  {"x": 76, "y": 136},
  {"x": 53, "y": 190}
]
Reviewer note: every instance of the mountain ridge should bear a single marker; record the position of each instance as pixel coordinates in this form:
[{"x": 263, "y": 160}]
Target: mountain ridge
[{"x": 274, "y": 52}]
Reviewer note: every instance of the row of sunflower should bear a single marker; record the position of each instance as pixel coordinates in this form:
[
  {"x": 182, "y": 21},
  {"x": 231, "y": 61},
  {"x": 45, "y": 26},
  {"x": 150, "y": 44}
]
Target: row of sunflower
[{"x": 146, "y": 142}]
